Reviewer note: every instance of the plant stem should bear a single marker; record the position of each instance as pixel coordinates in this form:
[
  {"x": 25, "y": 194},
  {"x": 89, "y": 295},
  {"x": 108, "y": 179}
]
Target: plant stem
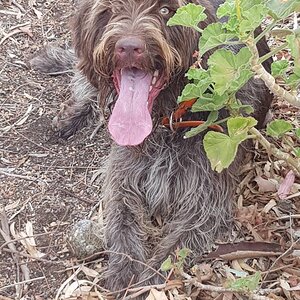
[
  {"x": 235, "y": 43},
  {"x": 221, "y": 121},
  {"x": 198, "y": 29},
  {"x": 294, "y": 163},
  {"x": 268, "y": 79},
  {"x": 274, "y": 51},
  {"x": 265, "y": 31},
  {"x": 238, "y": 9}
]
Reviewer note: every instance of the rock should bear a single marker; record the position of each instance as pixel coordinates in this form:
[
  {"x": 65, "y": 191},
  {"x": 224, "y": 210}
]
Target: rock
[{"x": 86, "y": 238}]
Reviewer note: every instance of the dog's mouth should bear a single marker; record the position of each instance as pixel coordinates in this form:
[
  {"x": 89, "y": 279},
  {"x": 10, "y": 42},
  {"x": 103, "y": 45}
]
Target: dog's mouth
[{"x": 130, "y": 122}]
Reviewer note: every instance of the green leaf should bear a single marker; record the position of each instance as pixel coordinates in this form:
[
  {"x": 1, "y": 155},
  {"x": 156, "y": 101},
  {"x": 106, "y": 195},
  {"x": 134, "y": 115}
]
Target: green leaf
[
  {"x": 214, "y": 142},
  {"x": 297, "y": 131},
  {"x": 189, "y": 15},
  {"x": 214, "y": 145},
  {"x": 293, "y": 41},
  {"x": 252, "y": 16},
  {"x": 226, "y": 9},
  {"x": 279, "y": 67},
  {"x": 297, "y": 71},
  {"x": 192, "y": 90},
  {"x": 278, "y": 127},
  {"x": 197, "y": 74},
  {"x": 242, "y": 108},
  {"x": 248, "y": 283},
  {"x": 183, "y": 253},
  {"x": 280, "y": 9},
  {"x": 197, "y": 130},
  {"x": 210, "y": 102},
  {"x": 293, "y": 81},
  {"x": 297, "y": 151},
  {"x": 238, "y": 127},
  {"x": 230, "y": 71},
  {"x": 212, "y": 117},
  {"x": 167, "y": 265},
  {"x": 212, "y": 36},
  {"x": 232, "y": 25},
  {"x": 252, "y": 12}
]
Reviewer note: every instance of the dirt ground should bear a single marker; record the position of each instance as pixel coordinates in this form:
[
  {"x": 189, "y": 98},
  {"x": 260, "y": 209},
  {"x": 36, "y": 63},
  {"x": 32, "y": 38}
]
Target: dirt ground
[
  {"x": 43, "y": 180},
  {"x": 47, "y": 184}
]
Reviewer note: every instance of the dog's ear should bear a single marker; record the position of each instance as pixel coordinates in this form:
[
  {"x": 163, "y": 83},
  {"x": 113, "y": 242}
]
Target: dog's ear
[{"x": 88, "y": 26}]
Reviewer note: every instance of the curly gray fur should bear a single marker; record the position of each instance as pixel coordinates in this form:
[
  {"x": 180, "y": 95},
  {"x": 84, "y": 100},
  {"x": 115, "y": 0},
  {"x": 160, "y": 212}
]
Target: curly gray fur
[
  {"x": 54, "y": 61},
  {"x": 80, "y": 110},
  {"x": 169, "y": 179}
]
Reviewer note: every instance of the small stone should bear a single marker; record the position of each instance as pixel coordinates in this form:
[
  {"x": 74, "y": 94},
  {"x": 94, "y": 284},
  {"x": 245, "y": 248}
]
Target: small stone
[{"x": 86, "y": 238}]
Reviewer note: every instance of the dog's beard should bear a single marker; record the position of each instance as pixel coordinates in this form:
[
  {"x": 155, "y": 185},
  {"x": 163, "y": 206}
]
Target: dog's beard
[{"x": 130, "y": 122}]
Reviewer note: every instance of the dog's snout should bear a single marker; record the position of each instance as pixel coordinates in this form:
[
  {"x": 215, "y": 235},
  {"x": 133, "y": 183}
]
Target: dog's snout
[{"x": 130, "y": 48}]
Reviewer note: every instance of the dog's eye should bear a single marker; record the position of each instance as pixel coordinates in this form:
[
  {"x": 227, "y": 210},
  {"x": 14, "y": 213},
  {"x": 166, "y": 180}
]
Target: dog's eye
[{"x": 164, "y": 11}]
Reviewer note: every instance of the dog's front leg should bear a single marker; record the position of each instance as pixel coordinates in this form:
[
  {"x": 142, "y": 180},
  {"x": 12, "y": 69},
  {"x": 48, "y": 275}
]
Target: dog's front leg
[
  {"x": 125, "y": 244},
  {"x": 126, "y": 221},
  {"x": 78, "y": 111}
]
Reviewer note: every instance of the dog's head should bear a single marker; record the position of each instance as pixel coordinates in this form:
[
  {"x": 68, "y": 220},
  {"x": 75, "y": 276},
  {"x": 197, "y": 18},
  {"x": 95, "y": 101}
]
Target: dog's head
[{"x": 127, "y": 43}]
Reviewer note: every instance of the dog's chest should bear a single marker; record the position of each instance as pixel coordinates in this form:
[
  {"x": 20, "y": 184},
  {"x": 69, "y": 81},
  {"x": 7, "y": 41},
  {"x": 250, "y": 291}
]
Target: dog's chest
[{"x": 168, "y": 164}]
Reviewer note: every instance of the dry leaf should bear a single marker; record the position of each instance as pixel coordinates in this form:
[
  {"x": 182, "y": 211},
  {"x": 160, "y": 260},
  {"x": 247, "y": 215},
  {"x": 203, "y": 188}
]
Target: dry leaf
[
  {"x": 27, "y": 239},
  {"x": 21, "y": 121},
  {"x": 27, "y": 30},
  {"x": 203, "y": 272},
  {"x": 37, "y": 13},
  {"x": 228, "y": 296},
  {"x": 272, "y": 203},
  {"x": 265, "y": 185},
  {"x": 89, "y": 272},
  {"x": 235, "y": 264},
  {"x": 286, "y": 185},
  {"x": 70, "y": 289},
  {"x": 295, "y": 288},
  {"x": 248, "y": 215},
  {"x": 285, "y": 287},
  {"x": 156, "y": 295},
  {"x": 12, "y": 206},
  {"x": 246, "y": 267},
  {"x": 77, "y": 288},
  {"x": 296, "y": 253}
]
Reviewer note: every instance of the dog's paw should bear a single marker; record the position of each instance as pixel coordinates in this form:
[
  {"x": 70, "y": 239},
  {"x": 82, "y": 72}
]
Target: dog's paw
[
  {"x": 67, "y": 122},
  {"x": 121, "y": 276}
]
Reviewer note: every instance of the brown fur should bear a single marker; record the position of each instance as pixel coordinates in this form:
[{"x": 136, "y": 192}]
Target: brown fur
[
  {"x": 162, "y": 194},
  {"x": 92, "y": 46}
]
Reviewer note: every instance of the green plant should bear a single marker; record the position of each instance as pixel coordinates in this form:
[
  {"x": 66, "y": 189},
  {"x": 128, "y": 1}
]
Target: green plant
[
  {"x": 177, "y": 264},
  {"x": 215, "y": 88},
  {"x": 245, "y": 284}
]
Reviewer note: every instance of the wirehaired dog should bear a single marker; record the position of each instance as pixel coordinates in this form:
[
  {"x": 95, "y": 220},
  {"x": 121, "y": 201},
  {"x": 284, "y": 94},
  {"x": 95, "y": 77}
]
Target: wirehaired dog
[{"x": 159, "y": 190}]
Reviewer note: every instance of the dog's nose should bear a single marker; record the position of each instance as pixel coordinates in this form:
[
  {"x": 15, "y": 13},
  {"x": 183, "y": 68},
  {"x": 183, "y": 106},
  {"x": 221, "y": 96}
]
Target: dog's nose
[{"x": 130, "y": 48}]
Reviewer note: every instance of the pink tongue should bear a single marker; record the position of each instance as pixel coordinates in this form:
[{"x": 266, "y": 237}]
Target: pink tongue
[{"x": 130, "y": 122}]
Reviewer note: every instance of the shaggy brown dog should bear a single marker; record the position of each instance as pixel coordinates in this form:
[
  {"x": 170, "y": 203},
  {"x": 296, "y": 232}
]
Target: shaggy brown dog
[{"x": 159, "y": 190}]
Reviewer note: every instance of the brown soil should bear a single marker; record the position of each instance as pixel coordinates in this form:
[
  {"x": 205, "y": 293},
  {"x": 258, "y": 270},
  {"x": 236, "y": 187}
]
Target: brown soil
[{"x": 43, "y": 180}]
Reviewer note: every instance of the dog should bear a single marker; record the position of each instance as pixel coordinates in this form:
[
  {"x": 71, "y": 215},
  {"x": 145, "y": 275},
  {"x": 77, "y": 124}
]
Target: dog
[{"x": 159, "y": 190}]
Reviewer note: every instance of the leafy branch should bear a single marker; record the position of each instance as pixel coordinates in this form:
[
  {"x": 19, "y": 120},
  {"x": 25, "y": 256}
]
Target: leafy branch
[
  {"x": 268, "y": 79},
  {"x": 215, "y": 88}
]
